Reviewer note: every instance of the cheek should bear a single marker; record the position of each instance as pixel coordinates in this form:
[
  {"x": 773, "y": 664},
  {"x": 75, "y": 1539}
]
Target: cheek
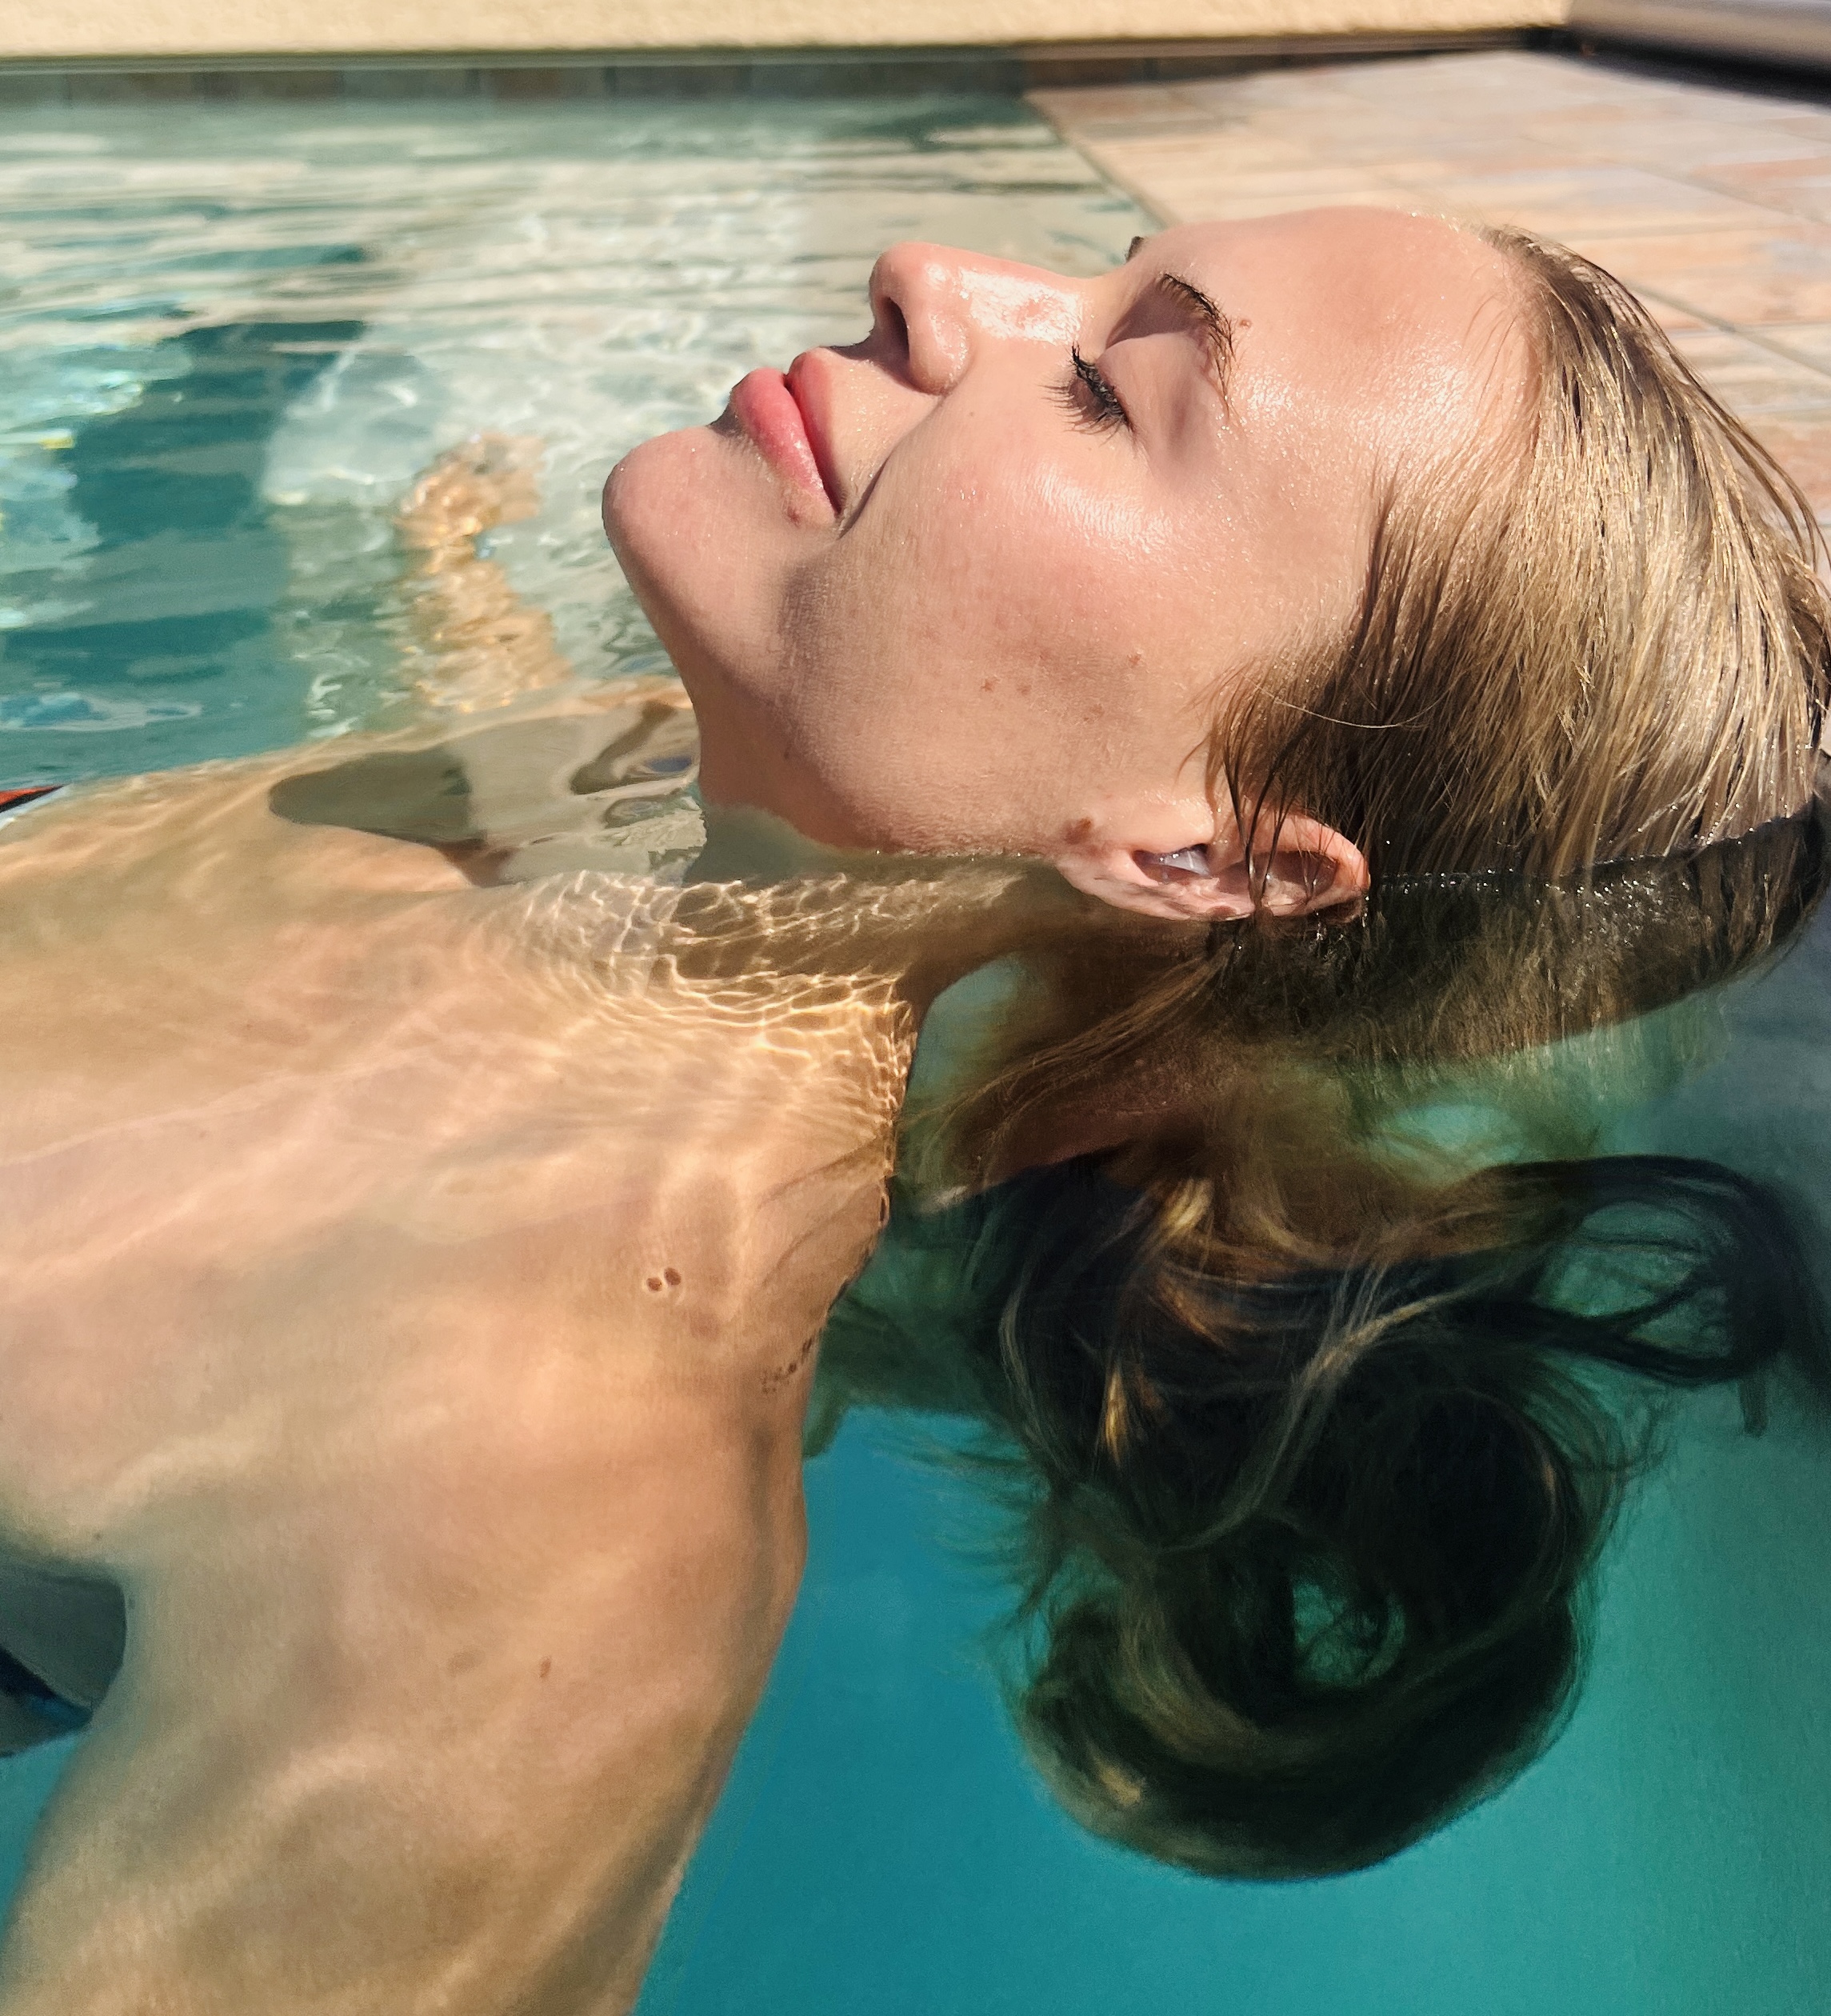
[
  {"x": 1097, "y": 528},
  {"x": 974, "y": 654},
  {"x": 1025, "y": 569}
]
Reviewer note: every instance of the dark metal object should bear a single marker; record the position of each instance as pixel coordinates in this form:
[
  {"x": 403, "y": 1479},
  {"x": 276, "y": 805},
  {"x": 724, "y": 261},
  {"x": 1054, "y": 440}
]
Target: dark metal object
[{"x": 1793, "y": 33}]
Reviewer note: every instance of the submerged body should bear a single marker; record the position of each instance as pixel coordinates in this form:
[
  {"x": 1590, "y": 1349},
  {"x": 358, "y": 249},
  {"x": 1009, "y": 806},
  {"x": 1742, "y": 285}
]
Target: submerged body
[
  {"x": 408, "y": 1293},
  {"x": 409, "y": 1288}
]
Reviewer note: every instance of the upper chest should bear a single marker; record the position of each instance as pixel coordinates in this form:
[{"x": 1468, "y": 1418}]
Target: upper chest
[{"x": 407, "y": 1184}]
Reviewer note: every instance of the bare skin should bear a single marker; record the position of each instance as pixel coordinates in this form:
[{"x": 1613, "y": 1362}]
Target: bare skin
[
  {"x": 407, "y": 1294},
  {"x": 477, "y": 643},
  {"x": 982, "y": 581}
]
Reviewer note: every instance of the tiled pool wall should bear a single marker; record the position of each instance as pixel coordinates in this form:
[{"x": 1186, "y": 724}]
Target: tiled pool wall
[{"x": 713, "y": 73}]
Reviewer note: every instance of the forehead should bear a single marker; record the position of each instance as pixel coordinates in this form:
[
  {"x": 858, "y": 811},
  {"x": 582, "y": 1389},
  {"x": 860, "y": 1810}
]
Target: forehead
[{"x": 1392, "y": 319}]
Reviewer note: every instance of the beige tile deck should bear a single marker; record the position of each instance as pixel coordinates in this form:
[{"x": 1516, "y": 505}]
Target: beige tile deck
[
  {"x": 1713, "y": 202},
  {"x": 1753, "y": 378}
]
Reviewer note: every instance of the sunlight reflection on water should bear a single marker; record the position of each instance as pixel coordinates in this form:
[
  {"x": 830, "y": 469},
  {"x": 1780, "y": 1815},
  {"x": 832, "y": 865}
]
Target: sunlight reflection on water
[{"x": 231, "y": 343}]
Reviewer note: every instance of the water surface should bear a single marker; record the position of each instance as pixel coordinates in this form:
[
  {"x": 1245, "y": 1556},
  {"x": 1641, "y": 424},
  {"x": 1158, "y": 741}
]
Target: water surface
[{"x": 231, "y": 338}]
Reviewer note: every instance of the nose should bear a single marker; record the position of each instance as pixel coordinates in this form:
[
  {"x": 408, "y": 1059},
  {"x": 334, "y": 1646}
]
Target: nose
[{"x": 934, "y": 310}]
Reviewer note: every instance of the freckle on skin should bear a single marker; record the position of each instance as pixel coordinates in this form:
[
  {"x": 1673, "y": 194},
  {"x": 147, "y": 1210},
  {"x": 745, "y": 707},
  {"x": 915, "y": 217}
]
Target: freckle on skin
[
  {"x": 655, "y": 1284},
  {"x": 1079, "y": 831},
  {"x": 547, "y": 1667},
  {"x": 672, "y": 1277}
]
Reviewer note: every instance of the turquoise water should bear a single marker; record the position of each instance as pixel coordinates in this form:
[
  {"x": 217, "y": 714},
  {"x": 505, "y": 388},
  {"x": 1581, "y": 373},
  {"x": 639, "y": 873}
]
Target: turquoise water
[
  {"x": 229, "y": 346},
  {"x": 882, "y": 1845},
  {"x": 229, "y": 343}
]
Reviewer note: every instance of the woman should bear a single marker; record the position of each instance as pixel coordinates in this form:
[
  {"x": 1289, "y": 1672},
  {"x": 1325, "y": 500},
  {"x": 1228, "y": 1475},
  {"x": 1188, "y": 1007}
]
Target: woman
[
  {"x": 1312, "y": 1415},
  {"x": 411, "y": 1287},
  {"x": 1422, "y": 543}
]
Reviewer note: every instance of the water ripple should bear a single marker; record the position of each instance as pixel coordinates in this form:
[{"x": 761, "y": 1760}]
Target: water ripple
[{"x": 232, "y": 342}]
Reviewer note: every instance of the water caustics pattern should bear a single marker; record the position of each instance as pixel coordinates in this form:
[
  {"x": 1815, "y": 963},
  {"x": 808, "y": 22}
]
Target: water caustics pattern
[
  {"x": 244, "y": 357},
  {"x": 233, "y": 338},
  {"x": 361, "y": 1520}
]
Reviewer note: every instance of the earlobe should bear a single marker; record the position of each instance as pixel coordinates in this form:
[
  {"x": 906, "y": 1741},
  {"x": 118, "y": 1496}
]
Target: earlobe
[{"x": 1311, "y": 868}]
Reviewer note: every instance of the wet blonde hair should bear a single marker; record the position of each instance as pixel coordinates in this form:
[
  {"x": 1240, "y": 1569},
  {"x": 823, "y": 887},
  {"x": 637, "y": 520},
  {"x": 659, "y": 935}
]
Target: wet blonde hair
[
  {"x": 1320, "y": 1447},
  {"x": 1600, "y": 635},
  {"x": 1314, "y": 1445}
]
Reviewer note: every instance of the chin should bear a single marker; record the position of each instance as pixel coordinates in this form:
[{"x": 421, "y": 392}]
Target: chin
[
  {"x": 675, "y": 513},
  {"x": 641, "y": 495},
  {"x": 663, "y": 522}
]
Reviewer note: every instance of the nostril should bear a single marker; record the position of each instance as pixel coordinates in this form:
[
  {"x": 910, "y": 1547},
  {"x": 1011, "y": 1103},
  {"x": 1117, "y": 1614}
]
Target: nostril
[{"x": 914, "y": 315}]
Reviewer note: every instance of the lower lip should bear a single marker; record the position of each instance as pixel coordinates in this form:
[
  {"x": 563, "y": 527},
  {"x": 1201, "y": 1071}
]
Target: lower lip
[{"x": 765, "y": 408}]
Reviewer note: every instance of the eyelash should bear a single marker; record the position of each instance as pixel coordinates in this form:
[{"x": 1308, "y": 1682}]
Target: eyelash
[{"x": 1088, "y": 395}]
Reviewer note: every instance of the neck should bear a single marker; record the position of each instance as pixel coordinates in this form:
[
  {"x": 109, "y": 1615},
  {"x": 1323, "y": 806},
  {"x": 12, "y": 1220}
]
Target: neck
[{"x": 762, "y": 898}]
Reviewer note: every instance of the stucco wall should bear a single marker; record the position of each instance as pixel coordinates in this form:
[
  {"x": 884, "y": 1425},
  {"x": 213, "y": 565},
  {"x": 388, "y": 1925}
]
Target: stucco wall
[{"x": 177, "y": 28}]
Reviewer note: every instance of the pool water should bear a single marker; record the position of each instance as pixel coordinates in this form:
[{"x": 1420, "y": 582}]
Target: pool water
[{"x": 231, "y": 343}]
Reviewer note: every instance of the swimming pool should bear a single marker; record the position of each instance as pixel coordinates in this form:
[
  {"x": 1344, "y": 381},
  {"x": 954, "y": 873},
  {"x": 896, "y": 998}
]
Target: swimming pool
[
  {"x": 231, "y": 343},
  {"x": 234, "y": 345}
]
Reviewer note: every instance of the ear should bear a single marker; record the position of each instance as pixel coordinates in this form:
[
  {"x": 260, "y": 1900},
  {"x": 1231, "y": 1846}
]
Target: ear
[{"x": 1298, "y": 868}]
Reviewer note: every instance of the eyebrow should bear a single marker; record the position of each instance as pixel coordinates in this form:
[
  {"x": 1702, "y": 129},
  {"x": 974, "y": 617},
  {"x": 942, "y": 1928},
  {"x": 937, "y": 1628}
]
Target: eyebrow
[{"x": 1215, "y": 328}]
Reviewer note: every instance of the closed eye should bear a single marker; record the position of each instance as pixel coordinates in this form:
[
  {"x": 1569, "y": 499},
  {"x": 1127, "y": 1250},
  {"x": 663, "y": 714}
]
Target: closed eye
[{"x": 1088, "y": 395}]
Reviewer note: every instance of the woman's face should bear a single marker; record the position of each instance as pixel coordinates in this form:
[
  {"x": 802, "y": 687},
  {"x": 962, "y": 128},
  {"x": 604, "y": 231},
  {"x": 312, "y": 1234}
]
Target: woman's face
[{"x": 979, "y": 581}]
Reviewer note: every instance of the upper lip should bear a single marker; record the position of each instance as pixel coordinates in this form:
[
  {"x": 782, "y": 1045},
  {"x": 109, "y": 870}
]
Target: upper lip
[{"x": 809, "y": 384}]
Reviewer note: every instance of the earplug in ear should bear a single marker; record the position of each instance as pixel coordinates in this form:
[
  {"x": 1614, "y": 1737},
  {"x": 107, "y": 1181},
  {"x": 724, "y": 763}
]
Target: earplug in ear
[{"x": 1166, "y": 867}]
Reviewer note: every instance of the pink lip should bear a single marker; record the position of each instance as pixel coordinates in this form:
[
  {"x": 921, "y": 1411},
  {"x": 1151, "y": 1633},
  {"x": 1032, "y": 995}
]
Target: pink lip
[
  {"x": 765, "y": 408},
  {"x": 810, "y": 380},
  {"x": 765, "y": 405}
]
